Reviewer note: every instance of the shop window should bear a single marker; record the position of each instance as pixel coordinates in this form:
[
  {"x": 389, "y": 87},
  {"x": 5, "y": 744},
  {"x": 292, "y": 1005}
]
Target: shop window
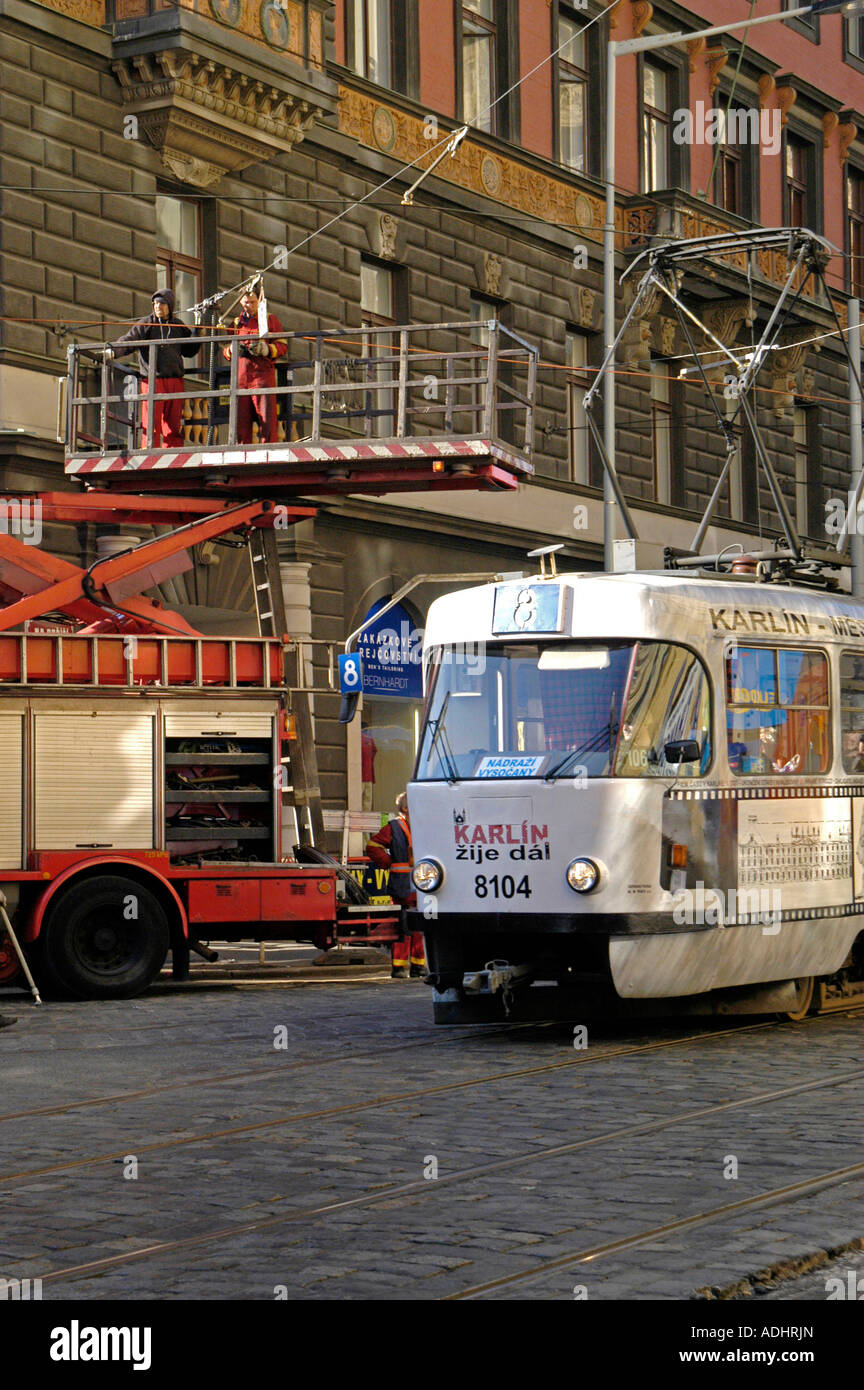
[{"x": 390, "y": 648}]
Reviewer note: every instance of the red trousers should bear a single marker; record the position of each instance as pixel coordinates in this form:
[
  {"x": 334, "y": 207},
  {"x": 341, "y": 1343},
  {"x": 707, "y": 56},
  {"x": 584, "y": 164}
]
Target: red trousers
[
  {"x": 167, "y": 416},
  {"x": 411, "y": 950},
  {"x": 260, "y": 408}
]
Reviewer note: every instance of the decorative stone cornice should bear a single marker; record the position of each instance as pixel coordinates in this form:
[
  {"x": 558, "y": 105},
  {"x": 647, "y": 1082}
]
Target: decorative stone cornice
[
  {"x": 715, "y": 61},
  {"x": 786, "y": 98},
  {"x": 695, "y": 48},
  {"x": 207, "y": 119},
  {"x": 788, "y": 373},
  {"x": 846, "y": 133},
  {"x": 643, "y": 13},
  {"x": 830, "y": 122},
  {"x": 766, "y": 86}
]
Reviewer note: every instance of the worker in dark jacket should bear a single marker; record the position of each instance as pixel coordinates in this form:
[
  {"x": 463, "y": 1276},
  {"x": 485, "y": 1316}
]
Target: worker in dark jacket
[
  {"x": 390, "y": 849},
  {"x": 176, "y": 342},
  {"x": 256, "y": 369}
]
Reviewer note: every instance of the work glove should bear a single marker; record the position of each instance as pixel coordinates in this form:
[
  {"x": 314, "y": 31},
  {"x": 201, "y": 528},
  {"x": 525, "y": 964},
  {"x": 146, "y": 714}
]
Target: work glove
[{"x": 259, "y": 349}]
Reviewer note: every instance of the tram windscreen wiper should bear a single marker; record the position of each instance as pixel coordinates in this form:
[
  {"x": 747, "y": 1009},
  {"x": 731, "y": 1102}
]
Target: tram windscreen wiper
[
  {"x": 446, "y": 751},
  {"x": 604, "y": 737}
]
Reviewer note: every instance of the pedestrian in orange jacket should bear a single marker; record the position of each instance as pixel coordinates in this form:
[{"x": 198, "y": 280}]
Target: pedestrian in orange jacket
[
  {"x": 390, "y": 849},
  {"x": 256, "y": 369}
]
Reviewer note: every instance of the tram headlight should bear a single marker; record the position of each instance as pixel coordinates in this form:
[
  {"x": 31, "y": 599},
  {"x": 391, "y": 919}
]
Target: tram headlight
[
  {"x": 427, "y": 876},
  {"x": 583, "y": 875}
]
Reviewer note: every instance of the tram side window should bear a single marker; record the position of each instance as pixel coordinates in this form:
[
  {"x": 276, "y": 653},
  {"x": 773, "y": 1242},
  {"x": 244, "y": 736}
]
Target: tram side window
[
  {"x": 777, "y": 711},
  {"x": 668, "y": 700},
  {"x": 852, "y": 711}
]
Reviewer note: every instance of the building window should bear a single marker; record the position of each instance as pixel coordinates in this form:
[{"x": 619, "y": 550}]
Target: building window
[
  {"x": 661, "y": 430},
  {"x": 378, "y": 309},
  {"x": 371, "y": 40},
  {"x": 855, "y": 230},
  {"x": 736, "y": 165},
  {"x": 802, "y": 191},
  {"x": 479, "y": 34},
  {"x": 853, "y": 42},
  {"x": 578, "y": 381},
  {"x": 806, "y": 24},
  {"x": 572, "y": 93},
  {"x": 801, "y": 437},
  {"x": 734, "y": 491},
  {"x": 796, "y": 181},
  {"x": 482, "y": 310},
  {"x": 656, "y": 127},
  {"x": 178, "y": 249}
]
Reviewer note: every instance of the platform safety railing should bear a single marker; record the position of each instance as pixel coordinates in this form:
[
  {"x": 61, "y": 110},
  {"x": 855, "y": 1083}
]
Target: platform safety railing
[{"x": 374, "y": 383}]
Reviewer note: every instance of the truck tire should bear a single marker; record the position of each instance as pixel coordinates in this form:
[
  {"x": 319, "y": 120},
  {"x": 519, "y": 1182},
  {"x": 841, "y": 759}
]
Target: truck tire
[{"x": 104, "y": 938}]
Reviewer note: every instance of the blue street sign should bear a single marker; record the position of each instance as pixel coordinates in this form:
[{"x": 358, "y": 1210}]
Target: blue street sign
[
  {"x": 391, "y": 650},
  {"x": 350, "y": 674}
]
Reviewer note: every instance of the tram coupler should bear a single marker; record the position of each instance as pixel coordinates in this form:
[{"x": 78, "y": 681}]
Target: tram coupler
[{"x": 498, "y": 975}]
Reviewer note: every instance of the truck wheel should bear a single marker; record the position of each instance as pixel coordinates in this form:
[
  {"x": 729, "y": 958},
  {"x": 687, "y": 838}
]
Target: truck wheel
[
  {"x": 104, "y": 938},
  {"x": 10, "y": 968}
]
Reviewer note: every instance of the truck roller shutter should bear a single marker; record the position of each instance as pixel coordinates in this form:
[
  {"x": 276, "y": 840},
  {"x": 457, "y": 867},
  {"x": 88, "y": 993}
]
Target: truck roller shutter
[
  {"x": 93, "y": 780},
  {"x": 218, "y": 725},
  {"x": 11, "y": 750}
]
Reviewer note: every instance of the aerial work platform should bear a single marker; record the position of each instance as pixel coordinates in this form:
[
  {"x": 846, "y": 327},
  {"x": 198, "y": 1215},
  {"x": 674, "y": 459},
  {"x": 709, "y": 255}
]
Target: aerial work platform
[{"x": 393, "y": 409}]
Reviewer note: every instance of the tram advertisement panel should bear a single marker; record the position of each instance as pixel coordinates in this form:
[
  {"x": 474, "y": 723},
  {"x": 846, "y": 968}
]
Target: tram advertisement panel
[{"x": 801, "y": 847}]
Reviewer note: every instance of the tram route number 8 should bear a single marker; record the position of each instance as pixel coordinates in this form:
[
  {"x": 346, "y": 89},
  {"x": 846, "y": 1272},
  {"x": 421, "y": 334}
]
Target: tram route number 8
[{"x": 505, "y": 886}]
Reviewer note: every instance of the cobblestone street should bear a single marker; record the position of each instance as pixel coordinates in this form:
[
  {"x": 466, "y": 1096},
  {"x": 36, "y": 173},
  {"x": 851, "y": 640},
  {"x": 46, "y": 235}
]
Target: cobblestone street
[{"x": 327, "y": 1142}]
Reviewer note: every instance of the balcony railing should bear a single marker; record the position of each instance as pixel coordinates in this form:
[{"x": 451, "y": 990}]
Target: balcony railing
[{"x": 378, "y": 383}]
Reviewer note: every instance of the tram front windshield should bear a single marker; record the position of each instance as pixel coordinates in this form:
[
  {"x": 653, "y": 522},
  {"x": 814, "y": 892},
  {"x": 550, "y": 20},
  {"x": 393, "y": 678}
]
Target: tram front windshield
[{"x": 563, "y": 709}]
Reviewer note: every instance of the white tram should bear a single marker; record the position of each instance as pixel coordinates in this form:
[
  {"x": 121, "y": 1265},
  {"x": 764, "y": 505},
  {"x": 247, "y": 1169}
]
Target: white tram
[{"x": 641, "y": 787}]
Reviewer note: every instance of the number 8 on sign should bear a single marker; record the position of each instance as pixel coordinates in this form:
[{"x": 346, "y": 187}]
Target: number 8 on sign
[{"x": 350, "y": 674}]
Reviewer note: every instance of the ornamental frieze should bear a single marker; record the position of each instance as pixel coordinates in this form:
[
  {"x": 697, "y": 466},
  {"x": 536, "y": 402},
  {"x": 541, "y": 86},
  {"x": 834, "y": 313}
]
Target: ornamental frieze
[
  {"x": 401, "y": 135},
  {"x": 88, "y": 11}
]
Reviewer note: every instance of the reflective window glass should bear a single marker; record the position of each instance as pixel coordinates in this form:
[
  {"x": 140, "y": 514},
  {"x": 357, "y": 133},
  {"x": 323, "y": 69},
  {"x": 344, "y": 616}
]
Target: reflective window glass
[
  {"x": 777, "y": 711},
  {"x": 852, "y": 711}
]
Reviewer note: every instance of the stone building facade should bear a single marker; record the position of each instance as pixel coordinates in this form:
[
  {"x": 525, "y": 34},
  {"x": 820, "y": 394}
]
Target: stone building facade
[{"x": 192, "y": 139}]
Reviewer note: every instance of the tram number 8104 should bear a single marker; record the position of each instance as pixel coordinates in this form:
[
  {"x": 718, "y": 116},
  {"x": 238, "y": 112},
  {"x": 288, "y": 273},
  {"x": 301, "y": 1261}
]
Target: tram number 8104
[{"x": 503, "y": 887}]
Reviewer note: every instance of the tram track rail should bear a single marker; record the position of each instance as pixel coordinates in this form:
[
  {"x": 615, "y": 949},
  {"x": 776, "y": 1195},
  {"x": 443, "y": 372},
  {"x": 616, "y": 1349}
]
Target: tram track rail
[
  {"x": 354, "y": 1107},
  {"x": 421, "y": 1190},
  {"x": 774, "y": 1197}
]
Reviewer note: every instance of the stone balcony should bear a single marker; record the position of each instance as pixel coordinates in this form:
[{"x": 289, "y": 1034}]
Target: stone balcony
[
  {"x": 672, "y": 215},
  {"x": 218, "y": 85}
]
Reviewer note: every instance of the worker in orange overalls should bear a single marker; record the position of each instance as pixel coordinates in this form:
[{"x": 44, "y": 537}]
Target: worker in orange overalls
[
  {"x": 390, "y": 849},
  {"x": 256, "y": 368}
]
